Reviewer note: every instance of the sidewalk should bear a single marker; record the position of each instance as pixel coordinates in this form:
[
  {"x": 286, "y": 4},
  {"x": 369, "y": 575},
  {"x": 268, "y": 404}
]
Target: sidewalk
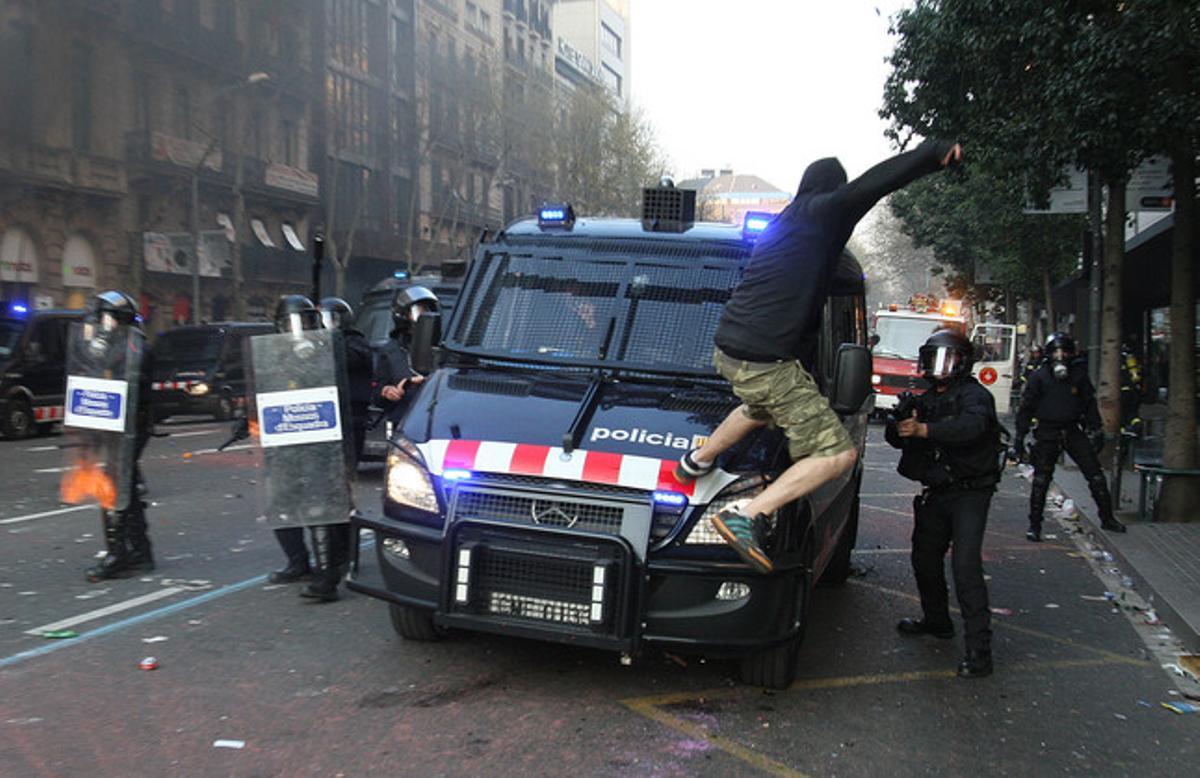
[{"x": 1162, "y": 558}]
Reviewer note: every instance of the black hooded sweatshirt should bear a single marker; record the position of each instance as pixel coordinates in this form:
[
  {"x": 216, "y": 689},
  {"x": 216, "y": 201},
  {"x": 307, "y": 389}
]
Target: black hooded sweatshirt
[{"x": 775, "y": 311}]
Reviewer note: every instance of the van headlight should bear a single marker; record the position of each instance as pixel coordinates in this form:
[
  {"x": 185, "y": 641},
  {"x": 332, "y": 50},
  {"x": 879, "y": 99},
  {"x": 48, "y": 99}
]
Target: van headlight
[
  {"x": 198, "y": 389},
  {"x": 736, "y": 495},
  {"x": 408, "y": 481}
]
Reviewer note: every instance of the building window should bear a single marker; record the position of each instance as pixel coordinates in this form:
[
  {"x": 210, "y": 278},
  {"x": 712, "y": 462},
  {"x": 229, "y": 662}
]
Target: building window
[
  {"x": 348, "y": 26},
  {"x": 291, "y": 143},
  {"x": 610, "y": 41},
  {"x": 485, "y": 23},
  {"x": 611, "y": 79},
  {"x": 351, "y": 114},
  {"x": 81, "y": 98},
  {"x": 183, "y": 112}
]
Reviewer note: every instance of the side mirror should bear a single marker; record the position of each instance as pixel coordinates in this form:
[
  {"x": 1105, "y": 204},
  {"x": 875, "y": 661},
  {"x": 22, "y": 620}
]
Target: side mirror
[
  {"x": 427, "y": 332},
  {"x": 851, "y": 379}
]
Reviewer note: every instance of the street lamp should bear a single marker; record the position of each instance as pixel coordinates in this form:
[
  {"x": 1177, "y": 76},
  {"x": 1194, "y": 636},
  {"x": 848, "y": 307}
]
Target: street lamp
[{"x": 256, "y": 77}]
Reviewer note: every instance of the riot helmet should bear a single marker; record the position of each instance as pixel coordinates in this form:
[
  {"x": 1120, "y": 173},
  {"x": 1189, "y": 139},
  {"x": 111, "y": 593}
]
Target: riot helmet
[
  {"x": 295, "y": 313},
  {"x": 408, "y": 306},
  {"x": 112, "y": 309},
  {"x": 1060, "y": 350},
  {"x": 946, "y": 355},
  {"x": 336, "y": 313}
]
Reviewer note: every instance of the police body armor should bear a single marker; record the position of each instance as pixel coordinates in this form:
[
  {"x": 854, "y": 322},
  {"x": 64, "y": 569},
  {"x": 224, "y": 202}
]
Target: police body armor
[
  {"x": 300, "y": 403},
  {"x": 101, "y": 414}
]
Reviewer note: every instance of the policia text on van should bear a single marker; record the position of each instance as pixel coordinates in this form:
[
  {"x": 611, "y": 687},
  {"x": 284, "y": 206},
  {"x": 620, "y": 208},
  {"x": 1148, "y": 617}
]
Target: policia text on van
[{"x": 529, "y": 490}]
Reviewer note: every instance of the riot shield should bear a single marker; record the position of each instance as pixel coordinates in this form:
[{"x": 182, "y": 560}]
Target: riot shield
[
  {"x": 300, "y": 407},
  {"x": 101, "y": 414}
]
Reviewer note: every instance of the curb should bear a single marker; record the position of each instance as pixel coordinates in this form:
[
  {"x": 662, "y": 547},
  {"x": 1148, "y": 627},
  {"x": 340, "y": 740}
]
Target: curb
[{"x": 1164, "y": 609}]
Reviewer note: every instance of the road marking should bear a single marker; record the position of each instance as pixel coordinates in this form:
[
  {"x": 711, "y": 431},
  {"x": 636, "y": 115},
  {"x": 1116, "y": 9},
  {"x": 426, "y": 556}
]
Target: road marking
[
  {"x": 1025, "y": 547},
  {"x": 132, "y": 621},
  {"x": 651, "y": 706},
  {"x": 52, "y": 470},
  {"x": 242, "y": 447},
  {"x": 105, "y": 611},
  {"x": 881, "y": 509},
  {"x": 194, "y": 433},
  {"x": 32, "y": 516},
  {"x": 43, "y": 448},
  {"x": 888, "y": 494}
]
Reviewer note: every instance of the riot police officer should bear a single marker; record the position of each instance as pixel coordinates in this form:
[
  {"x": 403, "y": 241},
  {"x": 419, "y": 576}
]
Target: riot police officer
[
  {"x": 336, "y": 314},
  {"x": 1131, "y": 387},
  {"x": 393, "y": 370},
  {"x": 950, "y": 442},
  {"x": 126, "y": 542},
  {"x": 1032, "y": 362},
  {"x": 1061, "y": 399},
  {"x": 294, "y": 313}
]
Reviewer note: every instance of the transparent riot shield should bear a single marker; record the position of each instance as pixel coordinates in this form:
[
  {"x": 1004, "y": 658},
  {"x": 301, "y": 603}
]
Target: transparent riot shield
[
  {"x": 299, "y": 412},
  {"x": 101, "y": 414}
]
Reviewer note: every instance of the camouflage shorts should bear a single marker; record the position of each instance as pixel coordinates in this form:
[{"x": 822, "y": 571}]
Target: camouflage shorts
[{"x": 785, "y": 394}]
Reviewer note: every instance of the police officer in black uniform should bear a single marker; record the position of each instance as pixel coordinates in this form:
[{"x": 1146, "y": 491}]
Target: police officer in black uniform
[
  {"x": 1062, "y": 401},
  {"x": 125, "y": 538},
  {"x": 394, "y": 373},
  {"x": 336, "y": 314},
  {"x": 950, "y": 442}
]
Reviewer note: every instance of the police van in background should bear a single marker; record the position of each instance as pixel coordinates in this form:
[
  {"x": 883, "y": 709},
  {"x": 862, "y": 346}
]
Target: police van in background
[
  {"x": 529, "y": 487},
  {"x": 33, "y": 367}
]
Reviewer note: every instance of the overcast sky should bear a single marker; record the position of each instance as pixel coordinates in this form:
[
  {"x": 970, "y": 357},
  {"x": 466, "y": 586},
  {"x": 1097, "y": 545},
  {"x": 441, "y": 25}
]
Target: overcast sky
[{"x": 763, "y": 86}]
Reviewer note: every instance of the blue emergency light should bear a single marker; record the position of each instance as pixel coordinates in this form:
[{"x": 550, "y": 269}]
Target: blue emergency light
[
  {"x": 18, "y": 309},
  {"x": 456, "y": 474},
  {"x": 556, "y": 215},
  {"x": 401, "y": 274},
  {"x": 754, "y": 224},
  {"x": 669, "y": 499}
]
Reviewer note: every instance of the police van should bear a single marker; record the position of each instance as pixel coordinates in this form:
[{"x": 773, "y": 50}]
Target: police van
[{"x": 529, "y": 487}]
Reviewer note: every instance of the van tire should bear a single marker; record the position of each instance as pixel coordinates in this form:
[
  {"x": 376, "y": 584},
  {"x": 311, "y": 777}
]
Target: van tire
[
  {"x": 775, "y": 667},
  {"x": 839, "y": 567},
  {"x": 18, "y": 419},
  {"x": 414, "y": 623},
  {"x": 224, "y": 410}
]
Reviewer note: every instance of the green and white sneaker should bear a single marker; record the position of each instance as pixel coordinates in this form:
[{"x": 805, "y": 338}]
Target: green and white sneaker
[{"x": 745, "y": 535}]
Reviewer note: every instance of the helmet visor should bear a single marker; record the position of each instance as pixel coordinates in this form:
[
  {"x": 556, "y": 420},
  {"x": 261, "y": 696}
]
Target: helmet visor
[
  {"x": 330, "y": 320},
  {"x": 939, "y": 362},
  {"x": 298, "y": 321}
]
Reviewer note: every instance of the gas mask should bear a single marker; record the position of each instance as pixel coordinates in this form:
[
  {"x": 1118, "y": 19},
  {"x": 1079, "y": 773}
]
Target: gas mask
[{"x": 1059, "y": 368}]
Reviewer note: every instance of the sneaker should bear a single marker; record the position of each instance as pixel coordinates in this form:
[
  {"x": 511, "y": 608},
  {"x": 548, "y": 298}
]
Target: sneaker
[
  {"x": 744, "y": 534},
  {"x": 688, "y": 469}
]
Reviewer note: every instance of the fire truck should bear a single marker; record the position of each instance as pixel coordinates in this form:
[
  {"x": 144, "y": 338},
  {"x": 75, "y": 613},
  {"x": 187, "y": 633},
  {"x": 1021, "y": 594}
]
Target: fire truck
[{"x": 902, "y": 329}]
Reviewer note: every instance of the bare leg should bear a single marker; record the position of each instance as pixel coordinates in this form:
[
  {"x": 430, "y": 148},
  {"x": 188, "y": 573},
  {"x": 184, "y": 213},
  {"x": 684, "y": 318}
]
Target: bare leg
[
  {"x": 736, "y": 426},
  {"x": 800, "y": 479}
]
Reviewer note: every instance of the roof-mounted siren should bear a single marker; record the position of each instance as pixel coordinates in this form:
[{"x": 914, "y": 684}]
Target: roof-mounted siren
[
  {"x": 667, "y": 209},
  {"x": 556, "y": 216},
  {"x": 754, "y": 223}
]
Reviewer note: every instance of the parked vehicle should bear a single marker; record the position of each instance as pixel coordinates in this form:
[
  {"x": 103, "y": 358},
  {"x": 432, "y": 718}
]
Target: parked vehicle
[
  {"x": 529, "y": 487},
  {"x": 199, "y": 369},
  {"x": 33, "y": 368}
]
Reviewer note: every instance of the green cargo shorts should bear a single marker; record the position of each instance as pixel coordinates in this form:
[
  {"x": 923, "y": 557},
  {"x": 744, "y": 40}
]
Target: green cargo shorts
[{"x": 785, "y": 394}]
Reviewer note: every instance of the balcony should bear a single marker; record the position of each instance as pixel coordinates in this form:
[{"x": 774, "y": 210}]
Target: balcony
[
  {"x": 62, "y": 168},
  {"x": 167, "y": 154},
  {"x": 188, "y": 39}
]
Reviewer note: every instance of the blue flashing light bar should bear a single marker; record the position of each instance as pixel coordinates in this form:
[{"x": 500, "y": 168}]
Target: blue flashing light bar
[
  {"x": 18, "y": 309},
  {"x": 456, "y": 474},
  {"x": 755, "y": 223},
  {"x": 556, "y": 215},
  {"x": 400, "y": 274},
  {"x": 669, "y": 499}
]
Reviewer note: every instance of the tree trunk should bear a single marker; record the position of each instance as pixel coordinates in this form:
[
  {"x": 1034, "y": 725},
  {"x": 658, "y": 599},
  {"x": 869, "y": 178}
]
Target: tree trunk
[
  {"x": 1180, "y": 500},
  {"x": 1048, "y": 291},
  {"x": 1108, "y": 389}
]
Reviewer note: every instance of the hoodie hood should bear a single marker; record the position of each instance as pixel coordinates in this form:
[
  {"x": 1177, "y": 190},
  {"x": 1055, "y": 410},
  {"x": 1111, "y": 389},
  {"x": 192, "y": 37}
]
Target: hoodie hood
[{"x": 824, "y": 175}]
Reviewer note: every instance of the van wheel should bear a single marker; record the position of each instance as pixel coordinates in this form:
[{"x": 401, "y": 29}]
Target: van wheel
[
  {"x": 224, "y": 410},
  {"x": 414, "y": 623},
  {"x": 775, "y": 668},
  {"x": 839, "y": 567},
  {"x": 18, "y": 419}
]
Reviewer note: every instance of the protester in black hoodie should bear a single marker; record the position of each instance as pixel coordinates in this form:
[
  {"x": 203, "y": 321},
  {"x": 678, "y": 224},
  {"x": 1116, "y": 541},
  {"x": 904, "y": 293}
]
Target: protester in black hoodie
[{"x": 768, "y": 333}]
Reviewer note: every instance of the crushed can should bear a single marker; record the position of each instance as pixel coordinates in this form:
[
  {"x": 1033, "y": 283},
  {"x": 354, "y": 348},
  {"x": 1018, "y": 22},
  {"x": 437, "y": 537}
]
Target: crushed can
[{"x": 149, "y": 663}]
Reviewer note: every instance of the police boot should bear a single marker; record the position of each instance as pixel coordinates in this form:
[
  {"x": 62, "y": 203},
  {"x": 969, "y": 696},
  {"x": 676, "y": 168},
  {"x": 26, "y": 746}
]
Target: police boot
[
  {"x": 327, "y": 573},
  {"x": 1034, "y": 533},
  {"x": 141, "y": 560},
  {"x": 1100, "y": 493},
  {"x": 116, "y": 561},
  {"x": 976, "y": 664}
]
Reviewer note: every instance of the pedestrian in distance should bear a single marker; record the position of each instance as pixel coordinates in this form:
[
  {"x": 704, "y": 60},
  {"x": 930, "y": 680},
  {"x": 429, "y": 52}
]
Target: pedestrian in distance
[
  {"x": 767, "y": 337},
  {"x": 1059, "y": 404},
  {"x": 394, "y": 374},
  {"x": 950, "y": 443}
]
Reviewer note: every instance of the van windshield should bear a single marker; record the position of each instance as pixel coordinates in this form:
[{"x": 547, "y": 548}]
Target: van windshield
[
  {"x": 632, "y": 312},
  {"x": 188, "y": 346},
  {"x": 902, "y": 338},
  {"x": 10, "y": 336}
]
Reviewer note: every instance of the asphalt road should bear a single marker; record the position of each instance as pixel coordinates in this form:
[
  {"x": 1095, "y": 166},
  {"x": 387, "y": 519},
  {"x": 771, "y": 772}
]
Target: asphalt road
[{"x": 331, "y": 690}]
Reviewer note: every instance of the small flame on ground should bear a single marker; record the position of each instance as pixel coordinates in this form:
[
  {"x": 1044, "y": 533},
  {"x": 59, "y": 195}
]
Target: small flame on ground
[
  {"x": 253, "y": 428},
  {"x": 86, "y": 481}
]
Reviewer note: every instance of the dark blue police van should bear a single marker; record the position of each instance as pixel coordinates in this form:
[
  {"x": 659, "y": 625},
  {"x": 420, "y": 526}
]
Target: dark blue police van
[{"x": 529, "y": 487}]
